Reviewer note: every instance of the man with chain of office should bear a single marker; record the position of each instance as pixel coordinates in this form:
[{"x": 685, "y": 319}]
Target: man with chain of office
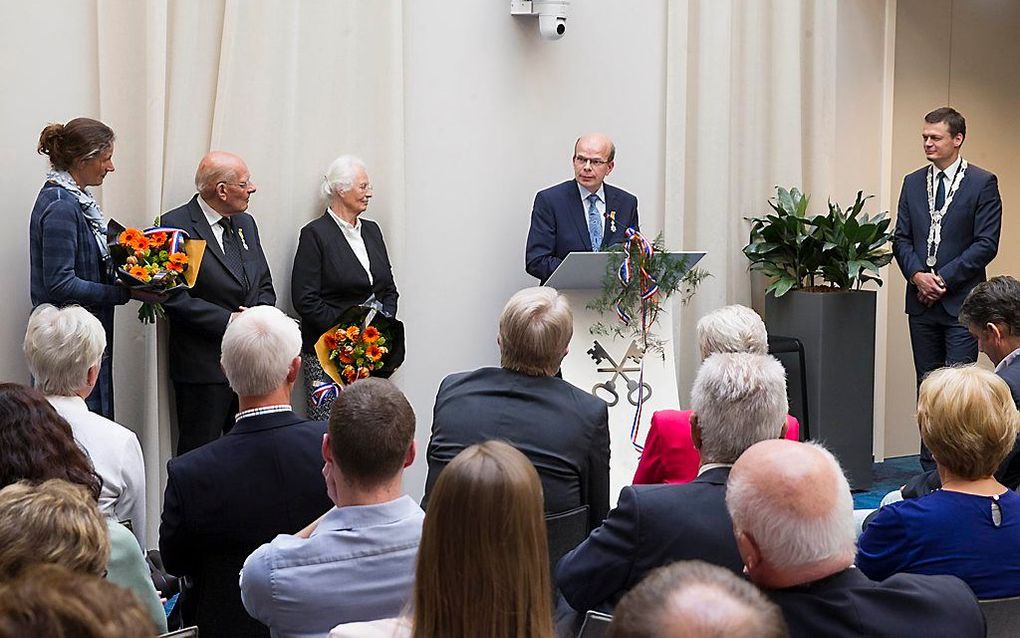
[{"x": 947, "y": 231}]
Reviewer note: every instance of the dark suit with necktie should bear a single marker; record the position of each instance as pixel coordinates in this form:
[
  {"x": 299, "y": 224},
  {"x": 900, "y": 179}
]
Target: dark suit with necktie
[
  {"x": 559, "y": 225},
  {"x": 970, "y": 240},
  {"x": 198, "y": 318}
]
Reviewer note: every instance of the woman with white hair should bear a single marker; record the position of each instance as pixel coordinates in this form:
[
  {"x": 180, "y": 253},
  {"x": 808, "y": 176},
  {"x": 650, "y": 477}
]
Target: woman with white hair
[
  {"x": 670, "y": 455},
  {"x": 341, "y": 262},
  {"x": 64, "y": 349}
]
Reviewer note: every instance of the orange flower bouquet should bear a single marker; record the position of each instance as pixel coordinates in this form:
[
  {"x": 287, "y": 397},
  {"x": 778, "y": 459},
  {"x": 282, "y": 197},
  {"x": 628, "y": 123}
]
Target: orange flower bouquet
[
  {"x": 160, "y": 260},
  {"x": 364, "y": 343}
]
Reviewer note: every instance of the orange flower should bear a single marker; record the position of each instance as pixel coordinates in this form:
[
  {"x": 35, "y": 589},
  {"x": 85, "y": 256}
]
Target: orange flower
[
  {"x": 363, "y": 373},
  {"x": 350, "y": 374},
  {"x": 129, "y": 236},
  {"x": 373, "y": 352},
  {"x": 345, "y": 358},
  {"x": 177, "y": 262},
  {"x": 353, "y": 332},
  {"x": 329, "y": 340},
  {"x": 139, "y": 272},
  {"x": 371, "y": 334},
  {"x": 340, "y": 335},
  {"x": 157, "y": 238}
]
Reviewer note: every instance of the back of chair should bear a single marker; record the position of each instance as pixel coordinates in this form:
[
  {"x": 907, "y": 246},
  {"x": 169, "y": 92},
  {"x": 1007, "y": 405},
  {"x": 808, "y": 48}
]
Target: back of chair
[
  {"x": 565, "y": 531},
  {"x": 596, "y": 625},
  {"x": 188, "y": 632},
  {"x": 1002, "y": 616}
]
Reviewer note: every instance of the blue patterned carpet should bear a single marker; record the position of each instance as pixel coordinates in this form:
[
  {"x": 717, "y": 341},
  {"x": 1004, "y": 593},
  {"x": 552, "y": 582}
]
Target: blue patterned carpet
[{"x": 888, "y": 476}]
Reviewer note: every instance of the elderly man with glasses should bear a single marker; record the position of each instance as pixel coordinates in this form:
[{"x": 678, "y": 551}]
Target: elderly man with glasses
[
  {"x": 234, "y": 275},
  {"x": 583, "y": 214}
]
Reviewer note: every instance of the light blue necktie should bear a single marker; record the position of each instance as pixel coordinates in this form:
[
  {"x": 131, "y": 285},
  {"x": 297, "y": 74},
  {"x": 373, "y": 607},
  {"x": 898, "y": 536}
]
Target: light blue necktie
[{"x": 594, "y": 222}]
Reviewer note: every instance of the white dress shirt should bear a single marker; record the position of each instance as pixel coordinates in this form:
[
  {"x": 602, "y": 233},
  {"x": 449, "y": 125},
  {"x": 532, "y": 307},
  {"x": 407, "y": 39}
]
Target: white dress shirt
[
  {"x": 600, "y": 205},
  {"x": 353, "y": 234},
  {"x": 1007, "y": 360},
  {"x": 214, "y": 220},
  {"x": 117, "y": 457}
]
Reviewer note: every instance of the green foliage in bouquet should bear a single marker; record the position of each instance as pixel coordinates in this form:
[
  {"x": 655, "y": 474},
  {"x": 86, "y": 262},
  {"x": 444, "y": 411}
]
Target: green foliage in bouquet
[
  {"x": 843, "y": 249},
  {"x": 673, "y": 277}
]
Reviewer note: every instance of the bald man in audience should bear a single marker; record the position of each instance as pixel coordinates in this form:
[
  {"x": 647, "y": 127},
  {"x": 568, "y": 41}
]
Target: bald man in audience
[
  {"x": 234, "y": 275},
  {"x": 738, "y": 399},
  {"x": 793, "y": 520},
  {"x": 693, "y": 599}
]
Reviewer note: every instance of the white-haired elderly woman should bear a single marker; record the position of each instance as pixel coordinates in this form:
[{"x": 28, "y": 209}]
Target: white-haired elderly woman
[
  {"x": 341, "y": 262},
  {"x": 670, "y": 455},
  {"x": 64, "y": 349}
]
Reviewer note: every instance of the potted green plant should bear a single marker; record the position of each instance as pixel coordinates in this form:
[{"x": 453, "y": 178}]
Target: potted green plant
[{"x": 816, "y": 266}]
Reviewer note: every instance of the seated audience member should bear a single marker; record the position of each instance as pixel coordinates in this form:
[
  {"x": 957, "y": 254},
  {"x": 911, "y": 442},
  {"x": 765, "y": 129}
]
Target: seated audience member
[
  {"x": 36, "y": 444},
  {"x": 696, "y": 600},
  {"x": 738, "y": 400},
  {"x": 64, "y": 348},
  {"x": 50, "y": 600},
  {"x": 670, "y": 455},
  {"x": 53, "y": 522},
  {"x": 969, "y": 528},
  {"x": 793, "y": 519},
  {"x": 991, "y": 312},
  {"x": 262, "y": 478},
  {"x": 483, "y": 564},
  {"x": 356, "y": 562},
  {"x": 563, "y": 430}
]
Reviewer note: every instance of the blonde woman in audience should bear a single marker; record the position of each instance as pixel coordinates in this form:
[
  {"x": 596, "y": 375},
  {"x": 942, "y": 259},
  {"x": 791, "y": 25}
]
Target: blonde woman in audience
[
  {"x": 670, "y": 455},
  {"x": 50, "y": 600},
  {"x": 483, "y": 567},
  {"x": 64, "y": 349},
  {"x": 971, "y": 527},
  {"x": 36, "y": 444},
  {"x": 52, "y": 522}
]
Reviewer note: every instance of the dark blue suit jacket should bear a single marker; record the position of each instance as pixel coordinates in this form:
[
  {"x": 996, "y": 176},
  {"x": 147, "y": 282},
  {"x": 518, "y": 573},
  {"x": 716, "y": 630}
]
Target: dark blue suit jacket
[
  {"x": 970, "y": 235},
  {"x": 848, "y": 605},
  {"x": 559, "y": 225},
  {"x": 652, "y": 525},
  {"x": 226, "y": 498},
  {"x": 198, "y": 317}
]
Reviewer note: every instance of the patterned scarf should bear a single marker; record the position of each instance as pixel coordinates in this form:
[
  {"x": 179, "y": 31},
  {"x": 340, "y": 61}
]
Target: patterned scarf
[{"x": 89, "y": 208}]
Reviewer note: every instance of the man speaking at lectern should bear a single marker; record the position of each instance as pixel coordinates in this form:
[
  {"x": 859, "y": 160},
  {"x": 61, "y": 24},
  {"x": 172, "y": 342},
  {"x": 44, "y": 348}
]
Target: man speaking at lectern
[
  {"x": 580, "y": 215},
  {"x": 947, "y": 231}
]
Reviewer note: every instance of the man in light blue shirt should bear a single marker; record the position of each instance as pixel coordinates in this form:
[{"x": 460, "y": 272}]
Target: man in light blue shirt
[{"x": 357, "y": 561}]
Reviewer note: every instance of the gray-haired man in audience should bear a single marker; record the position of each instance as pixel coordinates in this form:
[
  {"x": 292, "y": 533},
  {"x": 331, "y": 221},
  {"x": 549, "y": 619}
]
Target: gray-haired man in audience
[
  {"x": 694, "y": 599},
  {"x": 738, "y": 400},
  {"x": 793, "y": 520},
  {"x": 356, "y": 562}
]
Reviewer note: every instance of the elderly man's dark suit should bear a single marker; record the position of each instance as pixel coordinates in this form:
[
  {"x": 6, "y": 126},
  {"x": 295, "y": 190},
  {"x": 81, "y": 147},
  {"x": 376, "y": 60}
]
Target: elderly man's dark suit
[
  {"x": 559, "y": 225},
  {"x": 198, "y": 318},
  {"x": 970, "y": 240},
  {"x": 848, "y": 605},
  {"x": 230, "y": 496},
  {"x": 564, "y": 432},
  {"x": 652, "y": 525}
]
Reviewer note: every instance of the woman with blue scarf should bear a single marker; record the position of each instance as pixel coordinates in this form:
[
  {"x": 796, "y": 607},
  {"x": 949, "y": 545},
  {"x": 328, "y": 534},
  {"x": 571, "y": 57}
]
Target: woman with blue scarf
[{"x": 70, "y": 260}]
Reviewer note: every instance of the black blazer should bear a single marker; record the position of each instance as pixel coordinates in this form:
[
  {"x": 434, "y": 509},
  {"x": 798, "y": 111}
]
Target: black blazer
[
  {"x": 230, "y": 496},
  {"x": 328, "y": 279},
  {"x": 198, "y": 317},
  {"x": 848, "y": 604},
  {"x": 651, "y": 526},
  {"x": 559, "y": 225},
  {"x": 970, "y": 235},
  {"x": 562, "y": 430}
]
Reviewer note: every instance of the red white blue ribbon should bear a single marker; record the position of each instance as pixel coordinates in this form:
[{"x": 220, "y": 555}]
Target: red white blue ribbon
[
  {"x": 325, "y": 392},
  {"x": 648, "y": 288},
  {"x": 177, "y": 237}
]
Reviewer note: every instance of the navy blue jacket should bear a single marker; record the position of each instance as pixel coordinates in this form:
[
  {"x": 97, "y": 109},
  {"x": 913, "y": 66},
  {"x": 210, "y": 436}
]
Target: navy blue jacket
[
  {"x": 652, "y": 525},
  {"x": 559, "y": 225},
  {"x": 198, "y": 317},
  {"x": 970, "y": 235}
]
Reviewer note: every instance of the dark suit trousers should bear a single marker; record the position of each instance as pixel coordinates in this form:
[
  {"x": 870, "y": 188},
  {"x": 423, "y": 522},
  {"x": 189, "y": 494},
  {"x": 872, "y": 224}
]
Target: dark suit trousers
[
  {"x": 938, "y": 340},
  {"x": 204, "y": 412}
]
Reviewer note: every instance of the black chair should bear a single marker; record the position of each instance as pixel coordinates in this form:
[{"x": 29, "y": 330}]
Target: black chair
[
  {"x": 596, "y": 625},
  {"x": 1002, "y": 616},
  {"x": 565, "y": 531},
  {"x": 790, "y": 345}
]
